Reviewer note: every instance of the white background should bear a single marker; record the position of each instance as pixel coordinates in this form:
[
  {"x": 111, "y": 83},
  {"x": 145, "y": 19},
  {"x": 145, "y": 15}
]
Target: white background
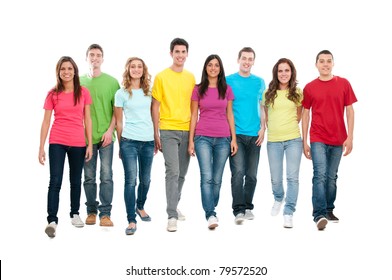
[{"x": 35, "y": 34}]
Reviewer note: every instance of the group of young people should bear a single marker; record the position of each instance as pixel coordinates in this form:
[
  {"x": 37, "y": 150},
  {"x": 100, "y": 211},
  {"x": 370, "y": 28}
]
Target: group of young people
[{"x": 218, "y": 119}]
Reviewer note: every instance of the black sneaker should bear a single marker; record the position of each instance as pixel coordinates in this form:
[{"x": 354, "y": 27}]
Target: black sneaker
[{"x": 331, "y": 217}]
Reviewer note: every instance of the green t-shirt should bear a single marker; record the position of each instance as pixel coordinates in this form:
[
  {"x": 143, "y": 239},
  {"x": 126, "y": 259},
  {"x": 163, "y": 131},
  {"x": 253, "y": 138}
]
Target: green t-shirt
[{"x": 102, "y": 90}]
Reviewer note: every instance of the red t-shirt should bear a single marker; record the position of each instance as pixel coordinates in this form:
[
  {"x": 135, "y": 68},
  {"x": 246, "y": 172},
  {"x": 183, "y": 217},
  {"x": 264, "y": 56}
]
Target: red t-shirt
[
  {"x": 68, "y": 125},
  {"x": 327, "y": 101}
]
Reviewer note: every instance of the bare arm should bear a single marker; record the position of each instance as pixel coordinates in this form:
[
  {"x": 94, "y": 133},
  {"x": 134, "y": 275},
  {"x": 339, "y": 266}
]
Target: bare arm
[
  {"x": 107, "y": 137},
  {"x": 43, "y": 135},
  {"x": 118, "y": 114},
  {"x": 88, "y": 127},
  {"x": 299, "y": 113},
  {"x": 305, "y": 128},
  {"x": 348, "y": 144},
  {"x": 155, "y": 121},
  {"x": 263, "y": 124},
  {"x": 192, "y": 127},
  {"x": 230, "y": 119}
]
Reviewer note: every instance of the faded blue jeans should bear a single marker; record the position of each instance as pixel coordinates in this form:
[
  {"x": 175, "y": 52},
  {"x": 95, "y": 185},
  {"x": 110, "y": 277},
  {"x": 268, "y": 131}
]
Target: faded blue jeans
[
  {"x": 212, "y": 154},
  {"x": 326, "y": 160},
  {"x": 292, "y": 149},
  {"x": 243, "y": 166},
  {"x": 136, "y": 154},
  {"x": 106, "y": 180},
  {"x": 76, "y": 156},
  {"x": 175, "y": 153}
]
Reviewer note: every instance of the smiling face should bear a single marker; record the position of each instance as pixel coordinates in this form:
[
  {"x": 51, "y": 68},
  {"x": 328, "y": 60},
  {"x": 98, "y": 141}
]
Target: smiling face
[
  {"x": 94, "y": 58},
  {"x": 179, "y": 55},
  {"x": 284, "y": 75},
  {"x": 246, "y": 62},
  {"x": 67, "y": 72},
  {"x": 325, "y": 65},
  {"x": 136, "y": 69},
  {"x": 213, "y": 68}
]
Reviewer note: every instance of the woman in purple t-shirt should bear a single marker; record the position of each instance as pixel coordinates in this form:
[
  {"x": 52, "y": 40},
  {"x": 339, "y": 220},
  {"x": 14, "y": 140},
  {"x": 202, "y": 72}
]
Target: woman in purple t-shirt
[{"x": 212, "y": 138}]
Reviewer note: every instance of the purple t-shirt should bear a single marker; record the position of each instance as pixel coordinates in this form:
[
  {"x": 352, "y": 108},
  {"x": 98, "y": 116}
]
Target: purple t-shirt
[{"x": 212, "y": 112}]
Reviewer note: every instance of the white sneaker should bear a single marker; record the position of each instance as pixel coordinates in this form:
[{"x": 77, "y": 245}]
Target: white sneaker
[
  {"x": 239, "y": 218},
  {"x": 50, "y": 229},
  {"x": 249, "y": 215},
  {"x": 212, "y": 222},
  {"x": 288, "y": 221},
  {"x": 181, "y": 217},
  {"x": 172, "y": 224},
  {"x": 276, "y": 208},
  {"x": 76, "y": 221}
]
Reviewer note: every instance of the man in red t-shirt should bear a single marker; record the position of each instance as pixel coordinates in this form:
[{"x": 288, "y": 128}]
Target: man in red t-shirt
[{"x": 327, "y": 97}]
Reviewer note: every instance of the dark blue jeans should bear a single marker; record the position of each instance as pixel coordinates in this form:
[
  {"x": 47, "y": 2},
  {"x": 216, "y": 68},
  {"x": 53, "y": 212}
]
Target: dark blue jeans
[
  {"x": 133, "y": 154},
  {"x": 243, "y": 166},
  {"x": 326, "y": 160},
  {"x": 76, "y": 155}
]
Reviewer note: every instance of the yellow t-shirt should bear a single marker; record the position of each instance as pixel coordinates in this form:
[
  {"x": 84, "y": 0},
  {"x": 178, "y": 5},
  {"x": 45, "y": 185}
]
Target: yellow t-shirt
[
  {"x": 174, "y": 90},
  {"x": 282, "y": 118}
]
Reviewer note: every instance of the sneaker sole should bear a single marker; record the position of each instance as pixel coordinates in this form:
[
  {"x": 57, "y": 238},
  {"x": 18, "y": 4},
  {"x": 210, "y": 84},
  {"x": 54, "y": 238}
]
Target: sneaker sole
[
  {"x": 78, "y": 226},
  {"x": 51, "y": 232},
  {"x": 213, "y": 226},
  {"x": 322, "y": 224},
  {"x": 171, "y": 229}
]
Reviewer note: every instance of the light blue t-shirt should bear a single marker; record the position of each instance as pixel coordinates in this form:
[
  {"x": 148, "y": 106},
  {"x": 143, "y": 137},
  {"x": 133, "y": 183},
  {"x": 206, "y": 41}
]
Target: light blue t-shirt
[
  {"x": 136, "y": 108},
  {"x": 246, "y": 105}
]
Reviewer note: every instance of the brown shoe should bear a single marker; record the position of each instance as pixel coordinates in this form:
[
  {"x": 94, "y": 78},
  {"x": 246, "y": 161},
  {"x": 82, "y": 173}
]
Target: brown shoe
[
  {"x": 91, "y": 219},
  {"x": 106, "y": 222}
]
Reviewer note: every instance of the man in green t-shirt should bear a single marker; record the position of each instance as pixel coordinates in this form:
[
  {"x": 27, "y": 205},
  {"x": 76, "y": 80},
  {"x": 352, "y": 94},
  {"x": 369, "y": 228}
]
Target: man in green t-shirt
[{"x": 102, "y": 88}]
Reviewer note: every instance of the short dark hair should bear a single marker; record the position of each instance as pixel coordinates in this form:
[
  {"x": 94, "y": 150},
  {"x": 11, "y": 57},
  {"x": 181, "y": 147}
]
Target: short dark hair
[
  {"x": 180, "y": 42},
  {"x": 246, "y": 49},
  {"x": 323, "y": 52},
  {"x": 94, "y": 46}
]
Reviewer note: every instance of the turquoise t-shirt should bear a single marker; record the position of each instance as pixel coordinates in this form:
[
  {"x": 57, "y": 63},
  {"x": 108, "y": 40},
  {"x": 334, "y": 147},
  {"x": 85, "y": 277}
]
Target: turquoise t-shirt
[
  {"x": 136, "y": 109},
  {"x": 246, "y": 105},
  {"x": 102, "y": 90}
]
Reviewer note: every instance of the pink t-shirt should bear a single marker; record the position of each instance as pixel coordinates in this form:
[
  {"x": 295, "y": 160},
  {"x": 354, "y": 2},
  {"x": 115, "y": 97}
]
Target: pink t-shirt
[
  {"x": 327, "y": 100},
  {"x": 212, "y": 117},
  {"x": 68, "y": 125}
]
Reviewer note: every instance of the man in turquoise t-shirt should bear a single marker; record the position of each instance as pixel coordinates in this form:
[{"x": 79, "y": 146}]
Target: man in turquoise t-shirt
[
  {"x": 248, "y": 89},
  {"x": 102, "y": 88}
]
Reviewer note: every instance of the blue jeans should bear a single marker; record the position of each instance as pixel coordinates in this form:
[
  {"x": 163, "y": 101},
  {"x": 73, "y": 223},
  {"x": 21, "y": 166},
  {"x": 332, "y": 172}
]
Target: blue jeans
[
  {"x": 326, "y": 160},
  {"x": 243, "y": 166},
  {"x": 276, "y": 152},
  {"x": 57, "y": 153},
  {"x": 212, "y": 154},
  {"x": 106, "y": 180},
  {"x": 175, "y": 153},
  {"x": 133, "y": 154}
]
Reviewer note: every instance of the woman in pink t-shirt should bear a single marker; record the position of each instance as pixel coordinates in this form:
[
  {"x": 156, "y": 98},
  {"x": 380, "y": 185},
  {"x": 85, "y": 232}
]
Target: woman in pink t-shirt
[
  {"x": 212, "y": 137},
  {"x": 71, "y": 127}
]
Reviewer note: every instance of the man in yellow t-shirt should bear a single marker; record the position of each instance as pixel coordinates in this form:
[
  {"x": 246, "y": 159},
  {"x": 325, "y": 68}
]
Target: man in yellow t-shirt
[{"x": 171, "y": 114}]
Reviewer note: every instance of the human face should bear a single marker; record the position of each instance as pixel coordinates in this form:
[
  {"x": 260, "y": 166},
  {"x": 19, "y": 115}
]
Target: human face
[
  {"x": 136, "y": 69},
  {"x": 213, "y": 68},
  {"x": 284, "y": 75},
  {"x": 94, "y": 58},
  {"x": 179, "y": 55},
  {"x": 324, "y": 65},
  {"x": 67, "y": 72},
  {"x": 246, "y": 62}
]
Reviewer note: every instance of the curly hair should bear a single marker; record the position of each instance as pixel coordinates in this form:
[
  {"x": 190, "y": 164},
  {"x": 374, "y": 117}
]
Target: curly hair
[{"x": 145, "y": 79}]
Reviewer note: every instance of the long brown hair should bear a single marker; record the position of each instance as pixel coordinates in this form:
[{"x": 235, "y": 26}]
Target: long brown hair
[
  {"x": 273, "y": 86},
  {"x": 59, "y": 87}
]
